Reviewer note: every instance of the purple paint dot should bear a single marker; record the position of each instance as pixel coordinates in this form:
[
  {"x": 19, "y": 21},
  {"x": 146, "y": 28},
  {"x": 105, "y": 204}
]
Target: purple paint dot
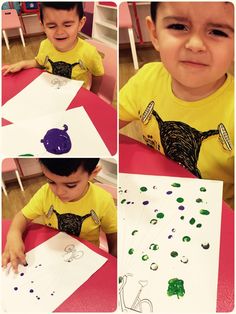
[
  {"x": 145, "y": 202},
  {"x": 21, "y": 274},
  {"x": 181, "y": 207},
  {"x": 15, "y": 288},
  {"x": 31, "y": 291},
  {"x": 170, "y": 236},
  {"x": 169, "y": 192},
  {"x": 128, "y": 202}
]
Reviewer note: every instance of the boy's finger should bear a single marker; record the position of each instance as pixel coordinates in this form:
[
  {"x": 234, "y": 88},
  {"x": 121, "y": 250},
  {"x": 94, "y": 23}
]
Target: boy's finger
[
  {"x": 5, "y": 260},
  {"x": 22, "y": 259},
  {"x": 14, "y": 264}
]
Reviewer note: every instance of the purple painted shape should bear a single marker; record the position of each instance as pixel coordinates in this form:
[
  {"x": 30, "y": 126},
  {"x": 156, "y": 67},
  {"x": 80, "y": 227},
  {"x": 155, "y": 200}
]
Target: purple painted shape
[{"x": 57, "y": 141}]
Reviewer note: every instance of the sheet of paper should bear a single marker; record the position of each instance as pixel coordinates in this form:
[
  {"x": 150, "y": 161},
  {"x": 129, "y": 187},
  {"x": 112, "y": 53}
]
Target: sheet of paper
[
  {"x": 47, "y": 94},
  {"x": 56, "y": 268},
  {"x": 172, "y": 245},
  {"x": 25, "y": 137}
]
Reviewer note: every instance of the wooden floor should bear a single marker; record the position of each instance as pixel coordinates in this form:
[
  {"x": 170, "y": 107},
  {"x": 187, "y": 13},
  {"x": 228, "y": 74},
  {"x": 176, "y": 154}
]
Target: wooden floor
[{"x": 17, "y": 199}]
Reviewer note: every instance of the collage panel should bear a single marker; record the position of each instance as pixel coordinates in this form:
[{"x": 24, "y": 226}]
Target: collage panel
[
  {"x": 59, "y": 234},
  {"x": 176, "y": 157}
]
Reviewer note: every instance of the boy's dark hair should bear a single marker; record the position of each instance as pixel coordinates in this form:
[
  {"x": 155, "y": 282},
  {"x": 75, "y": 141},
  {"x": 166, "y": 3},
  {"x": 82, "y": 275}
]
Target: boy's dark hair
[
  {"x": 153, "y": 7},
  {"x": 67, "y": 166},
  {"x": 62, "y": 6}
]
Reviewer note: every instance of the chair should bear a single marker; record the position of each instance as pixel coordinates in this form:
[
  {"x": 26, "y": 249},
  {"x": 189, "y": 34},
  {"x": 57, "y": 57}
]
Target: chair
[
  {"x": 113, "y": 191},
  {"x": 9, "y": 165},
  {"x": 10, "y": 20},
  {"x": 108, "y": 85},
  {"x": 125, "y": 21}
]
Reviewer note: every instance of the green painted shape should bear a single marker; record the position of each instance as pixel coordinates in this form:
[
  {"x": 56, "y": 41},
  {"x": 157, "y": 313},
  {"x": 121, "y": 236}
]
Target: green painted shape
[
  {"x": 199, "y": 200},
  {"x": 176, "y": 287},
  {"x": 176, "y": 185},
  {"x": 123, "y": 201},
  {"x": 133, "y": 232},
  {"x": 202, "y": 189},
  {"x": 204, "y": 212},
  {"x": 182, "y": 217},
  {"x": 180, "y": 199},
  {"x": 131, "y": 251},
  {"x": 153, "y": 221},
  {"x": 186, "y": 239},
  {"x": 198, "y": 225},
  {"x": 120, "y": 279},
  {"x": 174, "y": 254},
  {"x": 160, "y": 215},
  {"x": 192, "y": 221},
  {"x": 26, "y": 155},
  {"x": 154, "y": 247},
  {"x": 145, "y": 257},
  {"x": 143, "y": 189}
]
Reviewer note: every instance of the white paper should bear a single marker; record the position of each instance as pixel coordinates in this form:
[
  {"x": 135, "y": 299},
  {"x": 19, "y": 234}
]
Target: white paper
[
  {"x": 25, "y": 137},
  {"x": 200, "y": 273},
  {"x": 56, "y": 268},
  {"x": 46, "y": 94}
]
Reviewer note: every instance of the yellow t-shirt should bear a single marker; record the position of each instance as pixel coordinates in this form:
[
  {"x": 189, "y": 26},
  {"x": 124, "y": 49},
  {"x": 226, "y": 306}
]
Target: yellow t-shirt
[
  {"x": 187, "y": 132},
  {"x": 75, "y": 217},
  {"x": 78, "y": 63}
]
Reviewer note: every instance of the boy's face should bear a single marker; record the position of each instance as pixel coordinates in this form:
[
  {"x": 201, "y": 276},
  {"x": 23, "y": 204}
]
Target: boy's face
[
  {"x": 69, "y": 188},
  {"x": 62, "y": 27},
  {"x": 195, "y": 41}
]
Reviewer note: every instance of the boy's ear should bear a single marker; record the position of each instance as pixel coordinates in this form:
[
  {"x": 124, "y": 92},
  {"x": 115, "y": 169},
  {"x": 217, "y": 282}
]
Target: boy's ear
[
  {"x": 95, "y": 172},
  {"x": 152, "y": 32},
  {"x": 81, "y": 23}
]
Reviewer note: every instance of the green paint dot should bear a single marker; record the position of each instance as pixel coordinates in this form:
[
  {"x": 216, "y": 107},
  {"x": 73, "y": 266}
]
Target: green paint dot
[
  {"x": 192, "y": 221},
  {"x": 153, "y": 221},
  {"x": 160, "y": 215},
  {"x": 186, "y": 239},
  {"x": 131, "y": 251},
  {"x": 204, "y": 212},
  {"x": 174, "y": 254},
  {"x": 198, "y": 225},
  {"x": 176, "y": 287},
  {"x": 176, "y": 185},
  {"x": 182, "y": 217},
  {"x": 120, "y": 279},
  {"x": 180, "y": 200},
  {"x": 143, "y": 189},
  {"x": 202, "y": 189},
  {"x": 123, "y": 201},
  {"x": 133, "y": 232},
  {"x": 199, "y": 200},
  {"x": 153, "y": 266},
  {"x": 154, "y": 247},
  {"x": 145, "y": 257}
]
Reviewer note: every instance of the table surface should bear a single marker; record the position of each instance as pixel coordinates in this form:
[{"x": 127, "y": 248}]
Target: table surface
[
  {"x": 97, "y": 294},
  {"x": 137, "y": 158},
  {"x": 102, "y": 114}
]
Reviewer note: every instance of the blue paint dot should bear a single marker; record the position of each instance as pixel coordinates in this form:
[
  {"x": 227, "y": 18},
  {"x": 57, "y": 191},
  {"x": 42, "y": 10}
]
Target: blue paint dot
[
  {"x": 169, "y": 192},
  {"x": 181, "y": 207},
  {"x": 145, "y": 202}
]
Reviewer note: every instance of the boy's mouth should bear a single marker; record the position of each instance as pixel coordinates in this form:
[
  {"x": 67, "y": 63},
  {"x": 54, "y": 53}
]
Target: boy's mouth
[
  {"x": 193, "y": 63},
  {"x": 61, "y": 39}
]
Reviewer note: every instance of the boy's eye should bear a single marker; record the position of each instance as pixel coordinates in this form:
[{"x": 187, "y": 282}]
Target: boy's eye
[
  {"x": 71, "y": 186},
  {"x": 68, "y": 25},
  {"x": 178, "y": 27},
  {"x": 217, "y": 32},
  {"x": 51, "y": 27}
]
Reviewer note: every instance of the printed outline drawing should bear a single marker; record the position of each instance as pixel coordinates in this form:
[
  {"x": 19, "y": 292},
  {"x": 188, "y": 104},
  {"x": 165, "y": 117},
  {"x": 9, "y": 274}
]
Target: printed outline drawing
[
  {"x": 72, "y": 253},
  {"x": 138, "y": 302}
]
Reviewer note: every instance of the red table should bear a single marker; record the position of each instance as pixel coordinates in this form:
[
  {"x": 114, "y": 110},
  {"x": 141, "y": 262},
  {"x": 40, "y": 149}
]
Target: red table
[
  {"x": 102, "y": 115},
  {"x": 135, "y": 157},
  {"x": 97, "y": 294}
]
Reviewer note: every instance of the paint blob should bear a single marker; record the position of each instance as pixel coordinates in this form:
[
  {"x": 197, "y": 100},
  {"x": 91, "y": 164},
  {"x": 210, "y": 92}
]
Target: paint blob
[
  {"x": 180, "y": 200},
  {"x": 186, "y": 239},
  {"x": 131, "y": 251},
  {"x": 176, "y": 185},
  {"x": 154, "y": 247},
  {"x": 182, "y": 217},
  {"x": 153, "y": 221},
  {"x": 160, "y": 215},
  {"x": 199, "y": 200},
  {"x": 176, "y": 287},
  {"x": 204, "y": 212},
  {"x": 145, "y": 202},
  {"x": 184, "y": 259},
  {"x": 143, "y": 189},
  {"x": 181, "y": 207},
  {"x": 192, "y": 221},
  {"x": 153, "y": 266},
  {"x": 169, "y": 192},
  {"x": 123, "y": 201},
  {"x": 57, "y": 141},
  {"x": 145, "y": 257},
  {"x": 198, "y": 225},
  {"x": 205, "y": 246},
  {"x": 202, "y": 189},
  {"x": 133, "y": 232},
  {"x": 174, "y": 254}
]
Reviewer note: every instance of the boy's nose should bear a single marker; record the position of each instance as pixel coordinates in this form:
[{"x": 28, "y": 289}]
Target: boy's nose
[
  {"x": 60, "y": 192},
  {"x": 60, "y": 31},
  {"x": 195, "y": 43}
]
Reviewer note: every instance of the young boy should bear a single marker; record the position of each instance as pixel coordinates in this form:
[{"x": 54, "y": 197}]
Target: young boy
[
  {"x": 185, "y": 103},
  {"x": 69, "y": 202},
  {"x": 63, "y": 53}
]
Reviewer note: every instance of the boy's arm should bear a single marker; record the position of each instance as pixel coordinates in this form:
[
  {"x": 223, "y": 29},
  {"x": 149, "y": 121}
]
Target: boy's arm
[
  {"x": 96, "y": 83},
  {"x": 112, "y": 243},
  {"x": 16, "y": 67},
  {"x": 14, "y": 250}
]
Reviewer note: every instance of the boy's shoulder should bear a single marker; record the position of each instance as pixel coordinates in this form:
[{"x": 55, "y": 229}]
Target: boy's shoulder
[
  {"x": 151, "y": 71},
  {"x": 100, "y": 192}
]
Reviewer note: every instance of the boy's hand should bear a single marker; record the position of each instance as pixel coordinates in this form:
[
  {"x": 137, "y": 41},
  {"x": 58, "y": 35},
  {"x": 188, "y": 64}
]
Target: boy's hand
[
  {"x": 14, "y": 253},
  {"x": 12, "y": 68}
]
